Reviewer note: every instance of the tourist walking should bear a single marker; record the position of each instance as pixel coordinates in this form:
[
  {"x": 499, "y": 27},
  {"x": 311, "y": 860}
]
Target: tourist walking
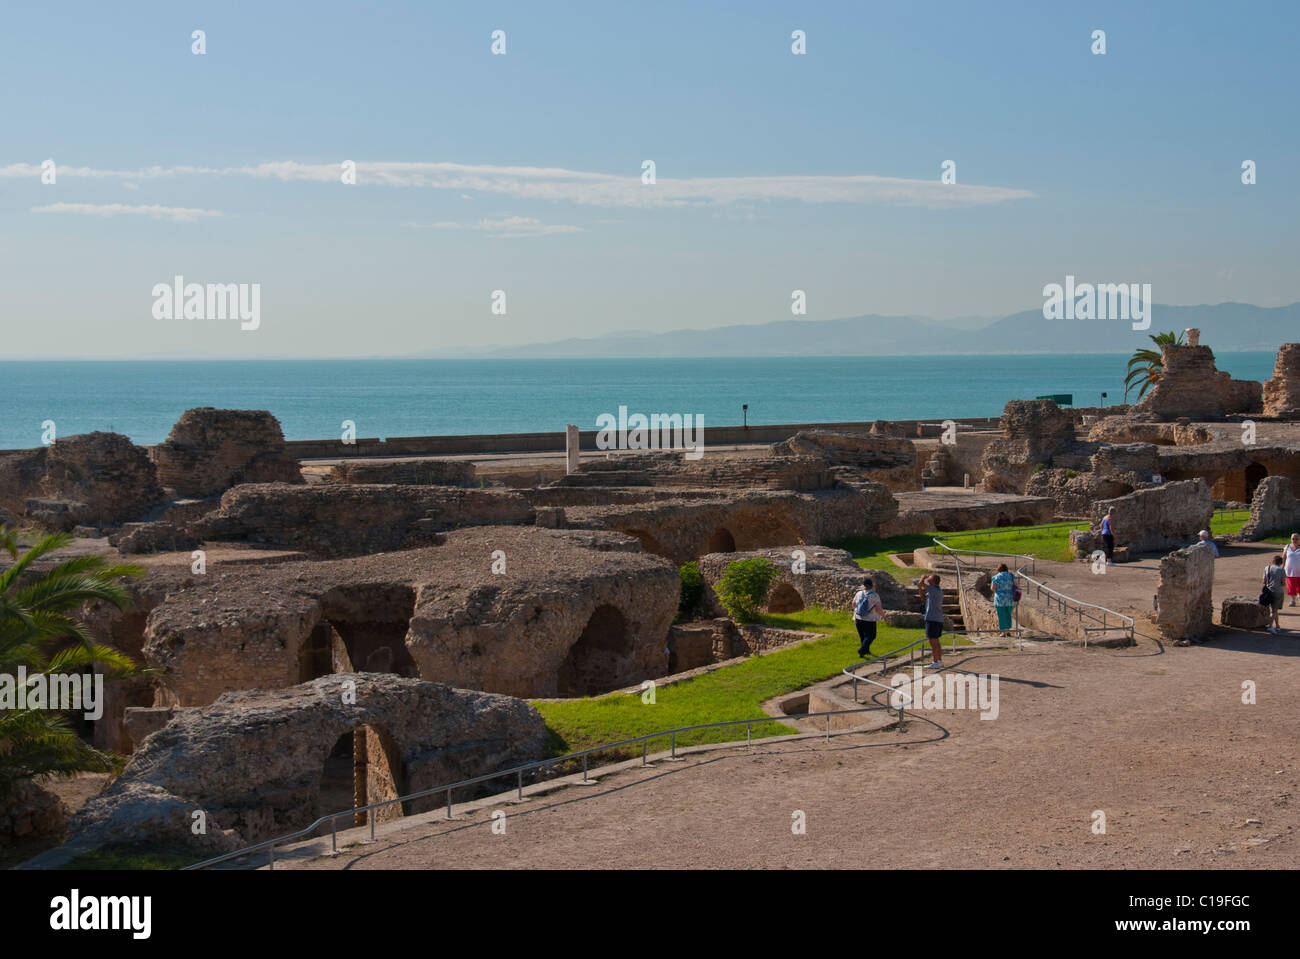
[
  {"x": 867, "y": 611},
  {"x": 1292, "y": 567},
  {"x": 1004, "y": 596},
  {"x": 1275, "y": 584},
  {"x": 933, "y": 596},
  {"x": 1108, "y": 535}
]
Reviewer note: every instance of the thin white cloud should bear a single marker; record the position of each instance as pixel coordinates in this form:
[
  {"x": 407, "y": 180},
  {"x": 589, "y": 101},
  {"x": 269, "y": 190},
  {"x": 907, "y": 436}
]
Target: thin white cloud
[
  {"x": 506, "y": 227},
  {"x": 596, "y": 189},
  {"x": 176, "y": 214}
]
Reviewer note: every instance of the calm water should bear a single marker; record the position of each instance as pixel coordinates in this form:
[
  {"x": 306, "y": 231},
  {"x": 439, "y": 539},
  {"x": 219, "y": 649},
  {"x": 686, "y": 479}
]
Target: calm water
[{"x": 427, "y": 397}]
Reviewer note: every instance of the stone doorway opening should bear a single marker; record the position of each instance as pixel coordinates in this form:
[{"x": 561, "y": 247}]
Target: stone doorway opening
[
  {"x": 362, "y": 630},
  {"x": 599, "y": 660},
  {"x": 363, "y": 767},
  {"x": 1255, "y": 474},
  {"x": 721, "y": 541},
  {"x": 784, "y": 598}
]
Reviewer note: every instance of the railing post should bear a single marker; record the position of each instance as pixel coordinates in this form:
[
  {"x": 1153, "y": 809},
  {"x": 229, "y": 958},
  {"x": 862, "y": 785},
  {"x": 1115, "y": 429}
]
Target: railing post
[
  {"x": 521, "y": 785},
  {"x": 584, "y": 767},
  {"x": 334, "y": 834},
  {"x": 855, "y": 688},
  {"x": 749, "y": 732},
  {"x": 272, "y": 851},
  {"x": 448, "y": 803},
  {"x": 644, "y": 743},
  {"x": 674, "y": 746},
  {"x": 371, "y": 817}
]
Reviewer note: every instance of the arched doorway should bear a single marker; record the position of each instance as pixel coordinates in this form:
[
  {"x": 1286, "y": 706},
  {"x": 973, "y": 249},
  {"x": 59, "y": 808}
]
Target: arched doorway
[
  {"x": 721, "y": 541},
  {"x": 784, "y": 598},
  {"x": 600, "y": 658},
  {"x": 362, "y": 767},
  {"x": 1255, "y": 474}
]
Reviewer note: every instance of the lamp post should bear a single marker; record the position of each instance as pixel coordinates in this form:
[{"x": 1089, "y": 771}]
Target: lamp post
[
  {"x": 744, "y": 409},
  {"x": 1103, "y": 399}
]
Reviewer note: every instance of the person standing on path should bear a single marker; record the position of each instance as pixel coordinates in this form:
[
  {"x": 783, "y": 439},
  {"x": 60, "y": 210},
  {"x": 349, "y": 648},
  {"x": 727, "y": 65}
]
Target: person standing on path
[
  {"x": 867, "y": 611},
  {"x": 1275, "y": 582},
  {"x": 1291, "y": 566},
  {"x": 1108, "y": 535},
  {"x": 1204, "y": 537},
  {"x": 1004, "y": 596},
  {"x": 933, "y": 596}
]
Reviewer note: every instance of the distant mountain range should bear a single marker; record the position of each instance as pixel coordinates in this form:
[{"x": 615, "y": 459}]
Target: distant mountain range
[{"x": 1227, "y": 327}]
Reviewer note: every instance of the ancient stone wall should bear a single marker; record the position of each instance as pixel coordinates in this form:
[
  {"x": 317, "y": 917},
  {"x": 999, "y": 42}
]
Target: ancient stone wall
[
  {"x": 406, "y": 472},
  {"x": 1186, "y": 608},
  {"x": 708, "y": 522},
  {"x": 253, "y": 760},
  {"x": 521, "y": 610},
  {"x": 789, "y": 472},
  {"x": 1033, "y": 431},
  {"x": 211, "y": 450},
  {"x": 1190, "y": 386},
  {"x": 1274, "y": 509},
  {"x": 344, "y": 520},
  {"x": 1148, "y": 520},
  {"x": 1281, "y": 396},
  {"x": 880, "y": 458},
  {"x": 95, "y": 478},
  {"x": 816, "y": 576}
]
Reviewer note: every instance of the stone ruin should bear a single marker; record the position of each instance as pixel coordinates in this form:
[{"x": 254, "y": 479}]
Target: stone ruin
[
  {"x": 873, "y": 457},
  {"x": 1281, "y": 395},
  {"x": 1190, "y": 386},
  {"x": 405, "y": 472},
  {"x": 1183, "y": 596},
  {"x": 1033, "y": 432},
  {"x": 252, "y": 761},
  {"x": 210, "y": 450},
  {"x": 1273, "y": 509},
  {"x": 94, "y": 478},
  {"x": 827, "y": 577},
  {"x": 1150, "y": 520},
  {"x": 517, "y": 610},
  {"x": 336, "y": 519}
]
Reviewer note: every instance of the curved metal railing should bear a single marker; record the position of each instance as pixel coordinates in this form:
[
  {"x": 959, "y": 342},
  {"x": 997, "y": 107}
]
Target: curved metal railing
[{"x": 518, "y": 771}]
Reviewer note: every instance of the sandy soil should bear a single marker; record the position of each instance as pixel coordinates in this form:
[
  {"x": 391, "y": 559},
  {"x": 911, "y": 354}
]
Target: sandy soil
[{"x": 1155, "y": 737}]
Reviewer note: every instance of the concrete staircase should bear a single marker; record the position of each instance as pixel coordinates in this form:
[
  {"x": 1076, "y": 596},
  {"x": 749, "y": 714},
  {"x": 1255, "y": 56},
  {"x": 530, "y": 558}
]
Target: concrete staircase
[{"x": 951, "y": 608}]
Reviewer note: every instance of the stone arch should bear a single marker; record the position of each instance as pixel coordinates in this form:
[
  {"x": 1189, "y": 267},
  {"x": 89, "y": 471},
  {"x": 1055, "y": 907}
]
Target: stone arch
[
  {"x": 1003, "y": 520},
  {"x": 650, "y": 543},
  {"x": 363, "y": 766},
  {"x": 598, "y": 661},
  {"x": 362, "y": 629},
  {"x": 1255, "y": 473},
  {"x": 722, "y": 541},
  {"x": 784, "y": 598}
]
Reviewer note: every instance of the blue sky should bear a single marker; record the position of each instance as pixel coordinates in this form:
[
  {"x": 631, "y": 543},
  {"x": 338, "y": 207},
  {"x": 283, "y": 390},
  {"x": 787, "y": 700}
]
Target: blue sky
[{"x": 522, "y": 172}]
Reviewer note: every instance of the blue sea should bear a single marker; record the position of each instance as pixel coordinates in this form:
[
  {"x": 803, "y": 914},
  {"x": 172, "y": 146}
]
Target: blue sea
[{"x": 387, "y": 398}]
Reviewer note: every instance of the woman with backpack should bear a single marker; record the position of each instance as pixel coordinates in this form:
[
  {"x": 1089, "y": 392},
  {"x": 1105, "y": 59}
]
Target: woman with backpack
[{"x": 867, "y": 611}]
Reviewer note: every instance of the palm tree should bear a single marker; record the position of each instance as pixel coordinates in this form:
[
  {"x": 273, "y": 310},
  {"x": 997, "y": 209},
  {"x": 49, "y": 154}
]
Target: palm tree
[
  {"x": 1145, "y": 367},
  {"x": 37, "y": 632}
]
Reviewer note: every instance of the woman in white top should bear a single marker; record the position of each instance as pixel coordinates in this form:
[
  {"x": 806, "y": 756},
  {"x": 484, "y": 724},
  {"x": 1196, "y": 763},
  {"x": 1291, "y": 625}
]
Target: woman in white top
[{"x": 1292, "y": 558}]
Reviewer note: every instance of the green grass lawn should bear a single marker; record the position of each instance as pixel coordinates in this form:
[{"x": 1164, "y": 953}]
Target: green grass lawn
[
  {"x": 873, "y": 553},
  {"x": 133, "y": 856},
  {"x": 734, "y": 692}
]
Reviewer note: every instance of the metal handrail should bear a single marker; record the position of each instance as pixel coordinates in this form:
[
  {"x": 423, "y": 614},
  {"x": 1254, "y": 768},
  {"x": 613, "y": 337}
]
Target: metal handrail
[
  {"x": 958, "y": 553},
  {"x": 518, "y": 771},
  {"x": 1127, "y": 623}
]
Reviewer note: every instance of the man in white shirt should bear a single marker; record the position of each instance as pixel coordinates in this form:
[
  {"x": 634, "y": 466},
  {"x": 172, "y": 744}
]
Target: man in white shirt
[{"x": 867, "y": 611}]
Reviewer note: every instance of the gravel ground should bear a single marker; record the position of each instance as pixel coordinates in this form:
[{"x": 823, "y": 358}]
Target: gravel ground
[{"x": 1154, "y": 737}]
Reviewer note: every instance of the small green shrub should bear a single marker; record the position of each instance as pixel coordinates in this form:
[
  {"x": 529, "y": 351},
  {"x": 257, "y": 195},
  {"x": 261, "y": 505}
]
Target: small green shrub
[
  {"x": 743, "y": 587},
  {"x": 1071, "y": 474},
  {"x": 692, "y": 589},
  {"x": 1039, "y": 467}
]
